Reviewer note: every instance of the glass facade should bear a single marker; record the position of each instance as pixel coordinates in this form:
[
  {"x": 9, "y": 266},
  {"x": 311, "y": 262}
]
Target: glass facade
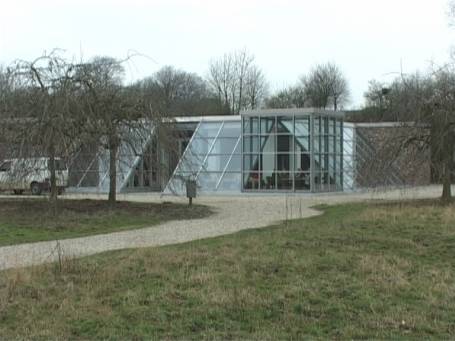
[
  {"x": 283, "y": 150},
  {"x": 292, "y": 152},
  {"x": 349, "y": 152},
  {"x": 212, "y": 158}
]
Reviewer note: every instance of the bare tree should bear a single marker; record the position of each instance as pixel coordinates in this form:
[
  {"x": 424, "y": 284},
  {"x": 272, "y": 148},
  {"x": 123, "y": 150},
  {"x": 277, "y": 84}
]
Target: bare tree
[
  {"x": 237, "y": 81},
  {"x": 41, "y": 109},
  {"x": 424, "y": 106},
  {"x": 178, "y": 92},
  {"x": 326, "y": 86},
  {"x": 101, "y": 79},
  {"x": 256, "y": 88},
  {"x": 117, "y": 114},
  {"x": 292, "y": 97}
]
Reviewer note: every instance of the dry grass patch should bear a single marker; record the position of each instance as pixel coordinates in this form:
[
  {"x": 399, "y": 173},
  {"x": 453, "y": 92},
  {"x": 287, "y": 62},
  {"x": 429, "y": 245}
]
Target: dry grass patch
[
  {"x": 29, "y": 220},
  {"x": 340, "y": 275}
]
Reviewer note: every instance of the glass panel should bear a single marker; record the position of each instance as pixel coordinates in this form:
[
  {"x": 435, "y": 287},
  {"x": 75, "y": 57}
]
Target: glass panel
[
  {"x": 230, "y": 129},
  {"x": 302, "y": 181},
  {"x": 332, "y": 178},
  {"x": 223, "y": 146},
  {"x": 208, "y": 129},
  {"x": 250, "y": 162},
  {"x": 284, "y": 161},
  {"x": 284, "y": 143},
  {"x": 284, "y": 181},
  {"x": 316, "y": 144},
  {"x": 325, "y": 178},
  {"x": 268, "y": 162},
  {"x": 251, "y": 125},
  {"x": 348, "y": 133},
  {"x": 268, "y": 181},
  {"x": 251, "y": 180},
  {"x": 324, "y": 162},
  {"x": 230, "y": 182},
  {"x": 251, "y": 144},
  {"x": 323, "y": 144},
  {"x": 317, "y": 125},
  {"x": 208, "y": 181},
  {"x": 238, "y": 148},
  {"x": 285, "y": 125},
  {"x": 245, "y": 125},
  {"x": 331, "y": 160},
  {"x": 191, "y": 164},
  {"x": 267, "y": 125},
  {"x": 324, "y": 125},
  {"x": 302, "y": 162},
  {"x": 268, "y": 144},
  {"x": 216, "y": 163},
  {"x": 235, "y": 164},
  {"x": 331, "y": 144},
  {"x": 302, "y": 126},
  {"x": 317, "y": 162},
  {"x": 338, "y": 144},
  {"x": 331, "y": 126},
  {"x": 302, "y": 144},
  {"x": 200, "y": 146},
  {"x": 317, "y": 180}
]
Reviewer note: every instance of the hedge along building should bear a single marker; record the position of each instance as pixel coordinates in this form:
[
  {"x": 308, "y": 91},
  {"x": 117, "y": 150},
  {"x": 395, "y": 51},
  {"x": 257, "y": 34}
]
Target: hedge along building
[{"x": 267, "y": 151}]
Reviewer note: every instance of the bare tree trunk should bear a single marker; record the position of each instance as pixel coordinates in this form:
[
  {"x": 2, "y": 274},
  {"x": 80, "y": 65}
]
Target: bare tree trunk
[
  {"x": 447, "y": 168},
  {"x": 53, "y": 178},
  {"x": 113, "y": 149},
  {"x": 446, "y": 183}
]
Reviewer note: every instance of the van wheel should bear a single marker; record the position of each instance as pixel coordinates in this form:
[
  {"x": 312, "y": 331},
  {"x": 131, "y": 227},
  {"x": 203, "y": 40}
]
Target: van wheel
[
  {"x": 35, "y": 188},
  {"x": 18, "y": 191}
]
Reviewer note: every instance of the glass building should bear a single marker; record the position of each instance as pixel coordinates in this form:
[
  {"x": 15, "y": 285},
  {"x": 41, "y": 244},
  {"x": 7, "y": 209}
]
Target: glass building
[
  {"x": 292, "y": 150},
  {"x": 212, "y": 158},
  {"x": 273, "y": 150}
]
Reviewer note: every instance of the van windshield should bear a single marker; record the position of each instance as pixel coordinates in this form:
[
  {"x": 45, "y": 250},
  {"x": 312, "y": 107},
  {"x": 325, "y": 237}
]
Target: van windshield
[{"x": 5, "y": 166}]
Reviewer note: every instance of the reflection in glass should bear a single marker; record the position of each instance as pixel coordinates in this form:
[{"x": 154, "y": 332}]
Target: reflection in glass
[
  {"x": 284, "y": 181},
  {"x": 250, "y": 144},
  {"x": 281, "y": 155},
  {"x": 302, "y": 126},
  {"x": 267, "y": 125},
  {"x": 285, "y": 125}
]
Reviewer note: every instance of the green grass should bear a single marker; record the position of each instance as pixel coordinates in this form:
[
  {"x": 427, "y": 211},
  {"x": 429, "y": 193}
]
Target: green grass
[
  {"x": 358, "y": 271},
  {"x": 30, "y": 220}
]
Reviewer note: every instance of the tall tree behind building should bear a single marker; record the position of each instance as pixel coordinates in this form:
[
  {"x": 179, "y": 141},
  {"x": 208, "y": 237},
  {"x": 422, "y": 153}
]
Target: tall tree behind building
[{"x": 237, "y": 82}]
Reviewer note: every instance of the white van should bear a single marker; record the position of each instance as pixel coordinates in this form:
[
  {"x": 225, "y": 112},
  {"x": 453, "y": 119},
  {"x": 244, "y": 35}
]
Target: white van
[{"x": 19, "y": 175}]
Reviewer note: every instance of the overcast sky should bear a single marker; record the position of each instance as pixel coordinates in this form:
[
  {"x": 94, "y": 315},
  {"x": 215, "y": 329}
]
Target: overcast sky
[{"x": 367, "y": 39}]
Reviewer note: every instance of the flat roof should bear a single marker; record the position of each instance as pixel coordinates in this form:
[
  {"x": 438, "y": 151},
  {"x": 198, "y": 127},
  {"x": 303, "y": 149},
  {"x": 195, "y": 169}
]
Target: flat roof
[
  {"x": 293, "y": 111},
  {"x": 214, "y": 118}
]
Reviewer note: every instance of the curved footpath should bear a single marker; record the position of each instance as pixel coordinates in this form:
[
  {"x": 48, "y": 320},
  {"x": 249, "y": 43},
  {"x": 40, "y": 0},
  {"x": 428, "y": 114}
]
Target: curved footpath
[{"x": 232, "y": 214}]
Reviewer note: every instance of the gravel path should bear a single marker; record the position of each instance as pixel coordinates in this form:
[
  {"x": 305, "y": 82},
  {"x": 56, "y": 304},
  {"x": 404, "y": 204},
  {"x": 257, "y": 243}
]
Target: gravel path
[{"x": 232, "y": 214}]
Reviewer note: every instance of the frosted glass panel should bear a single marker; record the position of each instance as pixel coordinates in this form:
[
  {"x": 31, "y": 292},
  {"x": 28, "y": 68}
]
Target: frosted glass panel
[
  {"x": 214, "y": 152},
  {"x": 209, "y": 129},
  {"x": 230, "y": 129},
  {"x": 230, "y": 182}
]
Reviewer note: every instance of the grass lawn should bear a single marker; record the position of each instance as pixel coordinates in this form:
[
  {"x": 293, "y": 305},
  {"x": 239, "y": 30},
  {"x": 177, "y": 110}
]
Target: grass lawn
[
  {"x": 30, "y": 220},
  {"x": 358, "y": 271}
]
